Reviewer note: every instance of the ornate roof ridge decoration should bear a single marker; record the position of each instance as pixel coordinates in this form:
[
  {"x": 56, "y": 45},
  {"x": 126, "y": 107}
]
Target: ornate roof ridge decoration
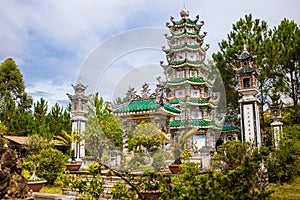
[
  {"x": 244, "y": 56},
  {"x": 185, "y": 21},
  {"x": 79, "y": 85}
]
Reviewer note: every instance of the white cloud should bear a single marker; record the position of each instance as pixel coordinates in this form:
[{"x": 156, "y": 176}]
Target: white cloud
[
  {"x": 50, "y": 39},
  {"x": 50, "y": 91}
]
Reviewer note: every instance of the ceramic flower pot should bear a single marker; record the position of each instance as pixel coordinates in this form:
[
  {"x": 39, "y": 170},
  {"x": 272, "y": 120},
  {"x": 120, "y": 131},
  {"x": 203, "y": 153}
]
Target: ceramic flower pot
[
  {"x": 150, "y": 194},
  {"x": 36, "y": 186},
  {"x": 73, "y": 166},
  {"x": 175, "y": 169}
]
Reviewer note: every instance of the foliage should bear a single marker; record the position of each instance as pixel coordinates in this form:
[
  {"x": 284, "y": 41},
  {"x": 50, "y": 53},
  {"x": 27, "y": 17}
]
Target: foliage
[
  {"x": 286, "y": 42},
  {"x": 241, "y": 182},
  {"x": 246, "y": 31},
  {"x": 58, "y": 120},
  {"x": 14, "y": 101},
  {"x": 51, "y": 164},
  {"x": 145, "y": 136},
  {"x": 227, "y": 157},
  {"x": 12, "y": 85},
  {"x": 286, "y": 191},
  {"x": 121, "y": 191},
  {"x": 103, "y": 132},
  {"x": 291, "y": 115},
  {"x": 94, "y": 168},
  {"x": 150, "y": 181},
  {"x": 109, "y": 125},
  {"x": 35, "y": 144},
  {"x": 159, "y": 159},
  {"x": 90, "y": 187},
  {"x": 145, "y": 142},
  {"x": 283, "y": 163}
]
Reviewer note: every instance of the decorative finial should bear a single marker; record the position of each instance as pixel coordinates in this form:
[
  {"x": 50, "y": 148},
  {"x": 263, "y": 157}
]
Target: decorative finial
[
  {"x": 79, "y": 80},
  {"x": 245, "y": 47},
  {"x": 184, "y": 13}
]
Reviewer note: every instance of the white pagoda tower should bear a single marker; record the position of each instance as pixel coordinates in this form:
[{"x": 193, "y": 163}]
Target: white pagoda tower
[
  {"x": 79, "y": 108},
  {"x": 248, "y": 86}
]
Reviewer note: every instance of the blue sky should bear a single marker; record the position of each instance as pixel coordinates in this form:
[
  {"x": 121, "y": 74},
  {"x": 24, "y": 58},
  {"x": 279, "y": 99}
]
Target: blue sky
[{"x": 53, "y": 42}]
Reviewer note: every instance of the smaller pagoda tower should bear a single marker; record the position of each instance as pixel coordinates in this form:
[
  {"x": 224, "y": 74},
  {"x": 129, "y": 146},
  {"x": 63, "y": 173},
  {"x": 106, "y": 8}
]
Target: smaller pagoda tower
[
  {"x": 247, "y": 75},
  {"x": 79, "y": 108},
  {"x": 275, "y": 109}
]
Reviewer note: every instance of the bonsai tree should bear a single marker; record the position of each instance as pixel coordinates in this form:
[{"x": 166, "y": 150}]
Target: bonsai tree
[
  {"x": 179, "y": 144},
  {"x": 145, "y": 142}
]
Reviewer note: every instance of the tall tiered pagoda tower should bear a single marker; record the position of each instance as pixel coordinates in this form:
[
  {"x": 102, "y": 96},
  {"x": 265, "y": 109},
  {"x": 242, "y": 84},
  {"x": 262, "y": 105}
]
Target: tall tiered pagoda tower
[
  {"x": 186, "y": 85},
  {"x": 247, "y": 75},
  {"x": 79, "y": 108}
]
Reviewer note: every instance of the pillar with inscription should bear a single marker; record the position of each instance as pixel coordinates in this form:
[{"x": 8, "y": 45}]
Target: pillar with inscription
[
  {"x": 248, "y": 86},
  {"x": 275, "y": 109}
]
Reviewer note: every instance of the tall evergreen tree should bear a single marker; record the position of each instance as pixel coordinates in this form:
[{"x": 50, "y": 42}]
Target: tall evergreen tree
[
  {"x": 286, "y": 41},
  {"x": 58, "y": 120},
  {"x": 252, "y": 33},
  {"x": 12, "y": 85},
  {"x": 41, "y": 127}
]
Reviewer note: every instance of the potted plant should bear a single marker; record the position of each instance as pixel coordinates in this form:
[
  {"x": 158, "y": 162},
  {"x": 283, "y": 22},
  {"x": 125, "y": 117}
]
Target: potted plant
[
  {"x": 179, "y": 153},
  {"x": 150, "y": 186},
  {"x": 34, "y": 182},
  {"x": 73, "y": 165}
]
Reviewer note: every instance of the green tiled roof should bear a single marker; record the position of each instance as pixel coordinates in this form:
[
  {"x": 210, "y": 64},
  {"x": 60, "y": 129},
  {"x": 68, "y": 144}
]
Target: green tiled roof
[
  {"x": 180, "y": 80},
  {"x": 136, "y": 106},
  {"x": 192, "y": 100},
  {"x": 229, "y": 117},
  {"x": 176, "y": 101},
  {"x": 200, "y": 122},
  {"x": 192, "y": 46},
  {"x": 185, "y": 21},
  {"x": 197, "y": 80},
  {"x": 144, "y": 105},
  {"x": 230, "y": 128},
  {"x": 177, "y": 80},
  {"x": 178, "y": 123},
  {"x": 195, "y": 62},
  {"x": 198, "y": 100},
  {"x": 194, "y": 122},
  {"x": 245, "y": 70},
  {"x": 178, "y": 62},
  {"x": 170, "y": 108}
]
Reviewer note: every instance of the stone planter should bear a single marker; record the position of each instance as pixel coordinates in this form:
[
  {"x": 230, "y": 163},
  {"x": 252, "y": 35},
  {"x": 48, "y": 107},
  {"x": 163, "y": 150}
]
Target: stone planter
[
  {"x": 36, "y": 186},
  {"x": 73, "y": 166},
  {"x": 175, "y": 169},
  {"x": 150, "y": 194}
]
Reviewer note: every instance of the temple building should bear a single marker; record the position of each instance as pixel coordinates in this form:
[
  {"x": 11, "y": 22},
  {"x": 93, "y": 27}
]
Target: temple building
[
  {"x": 187, "y": 86},
  {"x": 146, "y": 107}
]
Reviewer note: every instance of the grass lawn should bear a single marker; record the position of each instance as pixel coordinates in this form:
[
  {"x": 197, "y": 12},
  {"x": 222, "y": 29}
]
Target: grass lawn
[
  {"x": 52, "y": 189},
  {"x": 286, "y": 191}
]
